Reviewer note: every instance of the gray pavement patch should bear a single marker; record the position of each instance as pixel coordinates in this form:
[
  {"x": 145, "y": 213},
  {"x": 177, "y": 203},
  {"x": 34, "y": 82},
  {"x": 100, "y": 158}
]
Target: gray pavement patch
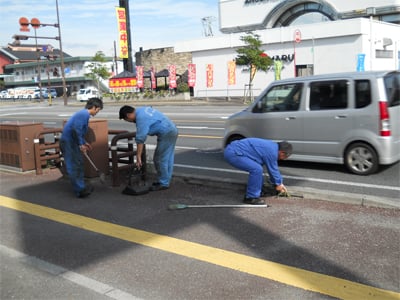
[{"x": 309, "y": 193}]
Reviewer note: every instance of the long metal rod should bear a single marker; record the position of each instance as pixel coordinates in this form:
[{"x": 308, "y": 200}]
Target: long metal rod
[
  {"x": 39, "y": 69},
  {"x": 62, "y": 59}
]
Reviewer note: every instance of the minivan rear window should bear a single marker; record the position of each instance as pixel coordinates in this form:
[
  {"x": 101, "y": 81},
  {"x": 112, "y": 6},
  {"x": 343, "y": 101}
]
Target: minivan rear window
[
  {"x": 363, "y": 93},
  {"x": 328, "y": 95},
  {"x": 392, "y": 86}
]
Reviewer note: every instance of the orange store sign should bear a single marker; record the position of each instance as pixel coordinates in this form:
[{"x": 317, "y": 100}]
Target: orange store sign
[{"x": 122, "y": 83}]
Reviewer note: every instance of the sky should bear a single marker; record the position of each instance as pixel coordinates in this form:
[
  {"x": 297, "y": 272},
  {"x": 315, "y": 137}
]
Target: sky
[{"x": 88, "y": 26}]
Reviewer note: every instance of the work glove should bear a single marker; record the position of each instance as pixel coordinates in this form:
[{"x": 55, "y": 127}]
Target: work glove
[{"x": 283, "y": 194}]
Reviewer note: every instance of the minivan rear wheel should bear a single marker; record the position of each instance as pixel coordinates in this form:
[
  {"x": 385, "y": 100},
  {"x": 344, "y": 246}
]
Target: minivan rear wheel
[{"x": 361, "y": 159}]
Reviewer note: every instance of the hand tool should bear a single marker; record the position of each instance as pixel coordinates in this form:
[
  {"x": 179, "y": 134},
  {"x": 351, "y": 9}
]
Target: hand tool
[
  {"x": 179, "y": 206},
  {"x": 102, "y": 176}
]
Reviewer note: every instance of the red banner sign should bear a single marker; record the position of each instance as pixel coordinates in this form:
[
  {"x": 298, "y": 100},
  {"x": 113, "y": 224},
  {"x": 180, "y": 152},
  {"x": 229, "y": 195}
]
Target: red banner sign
[
  {"x": 210, "y": 75},
  {"x": 172, "y": 76},
  {"x": 191, "y": 75},
  {"x": 139, "y": 75},
  {"x": 231, "y": 73}
]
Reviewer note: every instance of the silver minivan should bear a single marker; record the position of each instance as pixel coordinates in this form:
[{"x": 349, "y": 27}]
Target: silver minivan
[{"x": 347, "y": 118}]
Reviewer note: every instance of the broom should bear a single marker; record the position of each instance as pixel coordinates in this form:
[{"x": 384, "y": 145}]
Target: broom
[{"x": 102, "y": 176}]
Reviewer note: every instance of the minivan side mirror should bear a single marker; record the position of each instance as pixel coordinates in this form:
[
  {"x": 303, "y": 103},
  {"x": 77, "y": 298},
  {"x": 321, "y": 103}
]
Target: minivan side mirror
[{"x": 258, "y": 108}]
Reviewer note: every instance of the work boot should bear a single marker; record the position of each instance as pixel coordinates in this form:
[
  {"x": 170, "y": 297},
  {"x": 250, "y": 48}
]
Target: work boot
[
  {"x": 254, "y": 201},
  {"x": 158, "y": 187},
  {"x": 86, "y": 191}
]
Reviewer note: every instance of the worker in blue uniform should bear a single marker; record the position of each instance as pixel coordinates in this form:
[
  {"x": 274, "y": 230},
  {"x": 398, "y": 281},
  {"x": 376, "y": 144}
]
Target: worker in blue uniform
[
  {"x": 73, "y": 144},
  {"x": 152, "y": 122},
  {"x": 250, "y": 155}
]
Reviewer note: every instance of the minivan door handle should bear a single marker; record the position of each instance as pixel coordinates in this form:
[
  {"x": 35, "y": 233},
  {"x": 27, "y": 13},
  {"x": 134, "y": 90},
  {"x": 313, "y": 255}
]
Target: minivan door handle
[
  {"x": 340, "y": 117},
  {"x": 290, "y": 118}
]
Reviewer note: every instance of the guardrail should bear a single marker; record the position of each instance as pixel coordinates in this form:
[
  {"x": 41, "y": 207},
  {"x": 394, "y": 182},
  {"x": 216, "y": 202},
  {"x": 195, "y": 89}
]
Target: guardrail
[
  {"x": 47, "y": 150},
  {"x": 122, "y": 158},
  {"x": 121, "y": 155}
]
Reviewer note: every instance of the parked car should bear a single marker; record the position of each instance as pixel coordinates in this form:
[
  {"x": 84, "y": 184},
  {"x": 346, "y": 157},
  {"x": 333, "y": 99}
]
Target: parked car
[
  {"x": 53, "y": 93},
  {"x": 4, "y": 94},
  {"x": 37, "y": 91},
  {"x": 349, "y": 118},
  {"x": 86, "y": 94}
]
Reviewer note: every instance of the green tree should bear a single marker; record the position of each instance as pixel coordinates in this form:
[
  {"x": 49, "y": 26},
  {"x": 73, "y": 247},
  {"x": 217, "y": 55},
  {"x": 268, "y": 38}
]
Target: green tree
[
  {"x": 253, "y": 57},
  {"x": 97, "y": 68}
]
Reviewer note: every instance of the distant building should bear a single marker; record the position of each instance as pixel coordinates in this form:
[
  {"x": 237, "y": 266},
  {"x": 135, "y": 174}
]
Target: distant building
[
  {"x": 350, "y": 35},
  {"x": 21, "y": 65}
]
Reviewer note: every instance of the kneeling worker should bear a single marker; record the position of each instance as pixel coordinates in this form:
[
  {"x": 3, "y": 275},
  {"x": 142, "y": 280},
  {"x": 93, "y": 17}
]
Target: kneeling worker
[{"x": 250, "y": 155}]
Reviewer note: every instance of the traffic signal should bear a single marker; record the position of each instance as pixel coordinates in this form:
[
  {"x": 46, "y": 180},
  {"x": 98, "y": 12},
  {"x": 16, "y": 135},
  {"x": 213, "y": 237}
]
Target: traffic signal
[
  {"x": 55, "y": 72},
  {"x": 51, "y": 57}
]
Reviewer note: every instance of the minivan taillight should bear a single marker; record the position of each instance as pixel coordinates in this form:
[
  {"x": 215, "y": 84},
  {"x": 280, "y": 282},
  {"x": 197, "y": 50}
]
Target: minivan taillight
[{"x": 384, "y": 119}]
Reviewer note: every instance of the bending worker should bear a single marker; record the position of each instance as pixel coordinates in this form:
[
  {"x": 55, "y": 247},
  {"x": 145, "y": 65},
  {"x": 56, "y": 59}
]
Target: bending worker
[
  {"x": 152, "y": 122},
  {"x": 250, "y": 155},
  {"x": 73, "y": 144}
]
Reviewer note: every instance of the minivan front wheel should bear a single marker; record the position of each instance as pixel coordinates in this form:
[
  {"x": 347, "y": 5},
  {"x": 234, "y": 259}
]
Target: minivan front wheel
[{"x": 361, "y": 159}]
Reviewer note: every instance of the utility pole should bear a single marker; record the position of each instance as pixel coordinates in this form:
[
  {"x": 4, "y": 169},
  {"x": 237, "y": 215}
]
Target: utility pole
[
  {"x": 35, "y": 23},
  {"x": 39, "y": 69},
  {"x": 115, "y": 58},
  {"x": 65, "y": 97}
]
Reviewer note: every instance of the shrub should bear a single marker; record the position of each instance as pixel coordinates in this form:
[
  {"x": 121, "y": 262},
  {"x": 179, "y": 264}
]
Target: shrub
[{"x": 183, "y": 87}]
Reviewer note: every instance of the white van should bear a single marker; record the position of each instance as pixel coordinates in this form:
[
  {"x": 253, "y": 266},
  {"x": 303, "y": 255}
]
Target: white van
[
  {"x": 22, "y": 92},
  {"x": 86, "y": 94},
  {"x": 347, "y": 118}
]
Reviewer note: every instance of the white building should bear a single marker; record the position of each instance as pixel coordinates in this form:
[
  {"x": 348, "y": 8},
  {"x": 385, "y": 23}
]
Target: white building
[
  {"x": 26, "y": 74},
  {"x": 357, "y": 35}
]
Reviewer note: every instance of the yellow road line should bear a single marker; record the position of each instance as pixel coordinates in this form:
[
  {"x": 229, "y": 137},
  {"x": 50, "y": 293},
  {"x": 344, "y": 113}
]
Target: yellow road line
[{"x": 306, "y": 280}]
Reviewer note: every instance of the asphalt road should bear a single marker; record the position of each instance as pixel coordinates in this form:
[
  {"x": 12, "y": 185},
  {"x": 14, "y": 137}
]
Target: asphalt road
[
  {"x": 199, "y": 150},
  {"x": 114, "y": 246}
]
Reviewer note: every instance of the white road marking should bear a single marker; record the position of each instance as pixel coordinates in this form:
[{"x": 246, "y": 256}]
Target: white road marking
[
  {"x": 13, "y": 114},
  {"x": 358, "y": 184},
  {"x": 81, "y": 280},
  {"x": 199, "y": 127}
]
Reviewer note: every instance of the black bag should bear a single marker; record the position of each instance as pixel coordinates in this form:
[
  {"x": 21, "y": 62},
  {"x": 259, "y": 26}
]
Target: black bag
[{"x": 140, "y": 187}]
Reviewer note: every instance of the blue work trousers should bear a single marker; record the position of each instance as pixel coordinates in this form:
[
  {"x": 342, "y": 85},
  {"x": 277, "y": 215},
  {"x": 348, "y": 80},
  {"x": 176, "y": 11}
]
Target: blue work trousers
[
  {"x": 73, "y": 160},
  {"x": 164, "y": 156},
  {"x": 255, "y": 179}
]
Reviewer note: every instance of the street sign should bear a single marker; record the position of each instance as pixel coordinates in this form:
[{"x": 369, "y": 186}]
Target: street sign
[
  {"x": 297, "y": 36},
  {"x": 35, "y": 23},
  {"x": 24, "y": 22}
]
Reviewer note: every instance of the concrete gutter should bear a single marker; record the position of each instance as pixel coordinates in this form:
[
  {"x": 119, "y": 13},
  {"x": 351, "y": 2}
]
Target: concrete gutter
[{"x": 308, "y": 193}]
